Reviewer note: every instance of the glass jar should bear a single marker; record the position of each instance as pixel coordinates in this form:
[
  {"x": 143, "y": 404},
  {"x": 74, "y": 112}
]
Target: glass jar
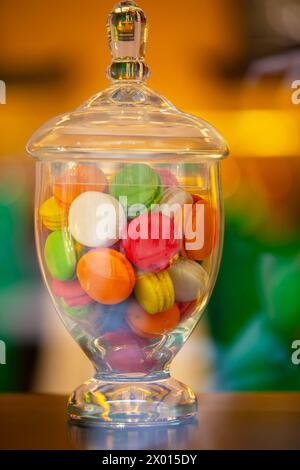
[{"x": 129, "y": 231}]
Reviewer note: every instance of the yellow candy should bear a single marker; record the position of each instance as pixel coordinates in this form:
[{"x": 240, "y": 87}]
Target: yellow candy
[
  {"x": 155, "y": 292},
  {"x": 53, "y": 216}
]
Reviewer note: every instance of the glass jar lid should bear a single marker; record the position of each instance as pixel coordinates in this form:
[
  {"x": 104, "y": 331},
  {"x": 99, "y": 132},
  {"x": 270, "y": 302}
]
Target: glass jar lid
[{"x": 128, "y": 119}]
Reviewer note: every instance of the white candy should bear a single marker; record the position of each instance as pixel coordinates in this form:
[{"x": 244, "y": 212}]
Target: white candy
[
  {"x": 96, "y": 219},
  {"x": 173, "y": 200},
  {"x": 189, "y": 279}
]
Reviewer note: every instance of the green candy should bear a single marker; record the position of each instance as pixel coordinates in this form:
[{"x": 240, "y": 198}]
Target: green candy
[
  {"x": 77, "y": 313},
  {"x": 60, "y": 256},
  {"x": 139, "y": 183}
]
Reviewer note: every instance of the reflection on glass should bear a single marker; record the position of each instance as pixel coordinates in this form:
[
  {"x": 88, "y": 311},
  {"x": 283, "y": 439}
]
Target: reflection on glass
[{"x": 161, "y": 437}]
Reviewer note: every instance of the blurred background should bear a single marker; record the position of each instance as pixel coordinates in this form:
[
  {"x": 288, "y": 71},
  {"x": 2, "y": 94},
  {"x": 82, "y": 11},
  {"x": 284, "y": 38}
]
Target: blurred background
[{"x": 231, "y": 62}]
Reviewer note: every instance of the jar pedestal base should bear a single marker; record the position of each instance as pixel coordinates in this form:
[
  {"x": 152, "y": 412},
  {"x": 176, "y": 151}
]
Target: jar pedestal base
[{"x": 132, "y": 403}]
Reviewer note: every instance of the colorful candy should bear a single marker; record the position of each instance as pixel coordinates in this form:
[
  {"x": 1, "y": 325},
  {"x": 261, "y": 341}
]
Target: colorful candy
[
  {"x": 118, "y": 338},
  {"x": 99, "y": 239},
  {"x": 155, "y": 292},
  {"x": 124, "y": 352},
  {"x": 54, "y": 217},
  {"x": 150, "y": 326},
  {"x": 174, "y": 199},
  {"x": 76, "y": 312},
  {"x": 138, "y": 185},
  {"x": 71, "y": 292},
  {"x": 199, "y": 229},
  {"x": 106, "y": 276},
  {"x": 128, "y": 359},
  {"x": 189, "y": 279},
  {"x": 76, "y": 180},
  {"x": 109, "y": 318},
  {"x": 150, "y": 242},
  {"x": 168, "y": 179},
  {"x": 96, "y": 219},
  {"x": 60, "y": 256}
]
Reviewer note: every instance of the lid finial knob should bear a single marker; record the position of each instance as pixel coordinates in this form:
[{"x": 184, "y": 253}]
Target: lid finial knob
[{"x": 127, "y": 34}]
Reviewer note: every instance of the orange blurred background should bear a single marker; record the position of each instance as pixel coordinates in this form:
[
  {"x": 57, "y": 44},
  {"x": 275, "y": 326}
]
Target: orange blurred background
[{"x": 231, "y": 62}]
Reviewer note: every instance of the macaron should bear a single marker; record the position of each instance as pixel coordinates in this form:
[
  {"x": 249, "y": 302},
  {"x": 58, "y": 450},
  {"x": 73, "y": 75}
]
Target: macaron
[
  {"x": 128, "y": 359},
  {"x": 53, "y": 216},
  {"x": 123, "y": 336},
  {"x": 60, "y": 256},
  {"x": 96, "y": 219},
  {"x": 106, "y": 276},
  {"x": 76, "y": 180},
  {"x": 189, "y": 279},
  {"x": 150, "y": 243},
  {"x": 76, "y": 312},
  {"x": 118, "y": 338},
  {"x": 168, "y": 179},
  {"x": 124, "y": 351},
  {"x": 109, "y": 318},
  {"x": 138, "y": 185},
  {"x": 155, "y": 291},
  {"x": 199, "y": 228},
  {"x": 174, "y": 199},
  {"x": 151, "y": 326},
  {"x": 71, "y": 292}
]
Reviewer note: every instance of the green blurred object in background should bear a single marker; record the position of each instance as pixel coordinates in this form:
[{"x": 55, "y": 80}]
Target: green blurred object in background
[
  {"x": 254, "y": 349},
  {"x": 236, "y": 295},
  {"x": 258, "y": 360},
  {"x": 17, "y": 281},
  {"x": 282, "y": 295}
]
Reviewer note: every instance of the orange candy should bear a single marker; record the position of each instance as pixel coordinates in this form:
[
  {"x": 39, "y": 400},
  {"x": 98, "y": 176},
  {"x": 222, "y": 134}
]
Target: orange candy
[
  {"x": 106, "y": 276},
  {"x": 76, "y": 180},
  {"x": 209, "y": 230},
  {"x": 150, "y": 326}
]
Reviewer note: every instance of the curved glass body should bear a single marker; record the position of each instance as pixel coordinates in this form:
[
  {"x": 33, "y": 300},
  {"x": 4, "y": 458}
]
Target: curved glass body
[{"x": 129, "y": 231}]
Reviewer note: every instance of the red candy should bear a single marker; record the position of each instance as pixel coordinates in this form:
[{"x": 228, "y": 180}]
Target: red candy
[
  {"x": 71, "y": 292},
  {"x": 186, "y": 309},
  {"x": 150, "y": 242}
]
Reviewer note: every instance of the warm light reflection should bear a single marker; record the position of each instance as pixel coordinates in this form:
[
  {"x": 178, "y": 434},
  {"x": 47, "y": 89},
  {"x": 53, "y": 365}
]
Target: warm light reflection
[
  {"x": 231, "y": 177},
  {"x": 258, "y": 133}
]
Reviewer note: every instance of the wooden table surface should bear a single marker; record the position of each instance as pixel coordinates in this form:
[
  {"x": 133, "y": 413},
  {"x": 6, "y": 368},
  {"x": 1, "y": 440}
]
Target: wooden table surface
[{"x": 226, "y": 421}]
